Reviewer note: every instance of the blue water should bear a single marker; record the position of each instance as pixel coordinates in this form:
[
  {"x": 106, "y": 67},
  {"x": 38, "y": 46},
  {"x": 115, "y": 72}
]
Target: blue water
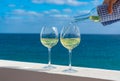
[{"x": 95, "y": 51}]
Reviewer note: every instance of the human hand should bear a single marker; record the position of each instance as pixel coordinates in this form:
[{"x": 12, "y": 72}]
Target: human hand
[{"x": 110, "y": 5}]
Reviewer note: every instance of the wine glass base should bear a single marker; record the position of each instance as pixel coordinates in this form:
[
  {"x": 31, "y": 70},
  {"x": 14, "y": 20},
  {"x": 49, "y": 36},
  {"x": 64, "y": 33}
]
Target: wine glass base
[
  {"x": 49, "y": 67},
  {"x": 70, "y": 71}
]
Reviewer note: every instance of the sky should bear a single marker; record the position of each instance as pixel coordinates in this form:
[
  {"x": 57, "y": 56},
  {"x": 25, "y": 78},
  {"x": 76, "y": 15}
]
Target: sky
[{"x": 29, "y": 16}]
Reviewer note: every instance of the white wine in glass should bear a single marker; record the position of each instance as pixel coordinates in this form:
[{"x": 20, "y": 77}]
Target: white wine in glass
[
  {"x": 70, "y": 38},
  {"x": 49, "y": 38}
]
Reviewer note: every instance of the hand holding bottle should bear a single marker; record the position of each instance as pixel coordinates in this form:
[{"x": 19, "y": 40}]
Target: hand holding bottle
[
  {"x": 110, "y": 5},
  {"x": 107, "y": 13}
]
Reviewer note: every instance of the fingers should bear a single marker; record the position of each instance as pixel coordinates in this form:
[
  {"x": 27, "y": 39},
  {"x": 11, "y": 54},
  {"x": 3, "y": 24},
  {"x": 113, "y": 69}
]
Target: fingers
[
  {"x": 106, "y": 1},
  {"x": 110, "y": 7}
]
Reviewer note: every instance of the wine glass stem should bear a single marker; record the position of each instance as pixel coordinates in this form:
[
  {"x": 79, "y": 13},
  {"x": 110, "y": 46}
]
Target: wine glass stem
[
  {"x": 49, "y": 56},
  {"x": 70, "y": 58}
]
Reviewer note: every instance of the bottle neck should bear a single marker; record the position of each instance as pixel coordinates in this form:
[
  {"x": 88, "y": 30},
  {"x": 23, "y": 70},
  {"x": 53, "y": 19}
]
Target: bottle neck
[
  {"x": 92, "y": 18},
  {"x": 92, "y": 15},
  {"x": 81, "y": 18}
]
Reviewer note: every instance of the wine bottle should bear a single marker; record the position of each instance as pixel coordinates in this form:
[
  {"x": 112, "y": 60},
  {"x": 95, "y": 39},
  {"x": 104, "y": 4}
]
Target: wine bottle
[{"x": 100, "y": 14}]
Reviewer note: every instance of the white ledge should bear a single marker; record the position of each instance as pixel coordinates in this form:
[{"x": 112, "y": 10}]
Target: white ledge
[{"x": 82, "y": 72}]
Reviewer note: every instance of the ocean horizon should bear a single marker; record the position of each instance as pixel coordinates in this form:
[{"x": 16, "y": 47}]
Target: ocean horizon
[{"x": 94, "y": 51}]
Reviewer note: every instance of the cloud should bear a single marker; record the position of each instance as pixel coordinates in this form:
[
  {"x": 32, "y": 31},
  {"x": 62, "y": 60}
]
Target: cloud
[
  {"x": 83, "y": 11},
  {"x": 21, "y": 14},
  {"x": 61, "y": 2},
  {"x": 23, "y": 18},
  {"x": 67, "y": 10},
  {"x": 38, "y": 1},
  {"x": 57, "y": 13},
  {"x": 25, "y": 12},
  {"x": 60, "y": 15},
  {"x": 95, "y": 2},
  {"x": 46, "y": 12},
  {"x": 19, "y": 11},
  {"x": 52, "y": 11},
  {"x": 34, "y": 13}
]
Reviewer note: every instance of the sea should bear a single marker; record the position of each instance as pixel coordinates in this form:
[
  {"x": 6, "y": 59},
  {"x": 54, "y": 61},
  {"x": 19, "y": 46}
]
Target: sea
[{"x": 94, "y": 51}]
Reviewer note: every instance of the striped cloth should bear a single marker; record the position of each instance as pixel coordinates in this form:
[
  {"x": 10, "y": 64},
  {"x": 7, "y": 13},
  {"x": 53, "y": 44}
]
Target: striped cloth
[{"x": 107, "y": 19}]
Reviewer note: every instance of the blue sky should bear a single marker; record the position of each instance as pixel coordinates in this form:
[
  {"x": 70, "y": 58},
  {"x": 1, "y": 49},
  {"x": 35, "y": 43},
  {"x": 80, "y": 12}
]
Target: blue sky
[{"x": 28, "y": 16}]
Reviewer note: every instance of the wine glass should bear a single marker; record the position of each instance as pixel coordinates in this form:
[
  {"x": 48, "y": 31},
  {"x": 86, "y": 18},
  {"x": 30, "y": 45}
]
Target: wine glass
[
  {"x": 70, "y": 38},
  {"x": 49, "y": 38}
]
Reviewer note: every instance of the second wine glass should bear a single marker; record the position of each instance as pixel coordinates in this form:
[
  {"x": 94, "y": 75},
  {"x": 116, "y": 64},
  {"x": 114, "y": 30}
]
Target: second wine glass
[
  {"x": 70, "y": 38},
  {"x": 49, "y": 38}
]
